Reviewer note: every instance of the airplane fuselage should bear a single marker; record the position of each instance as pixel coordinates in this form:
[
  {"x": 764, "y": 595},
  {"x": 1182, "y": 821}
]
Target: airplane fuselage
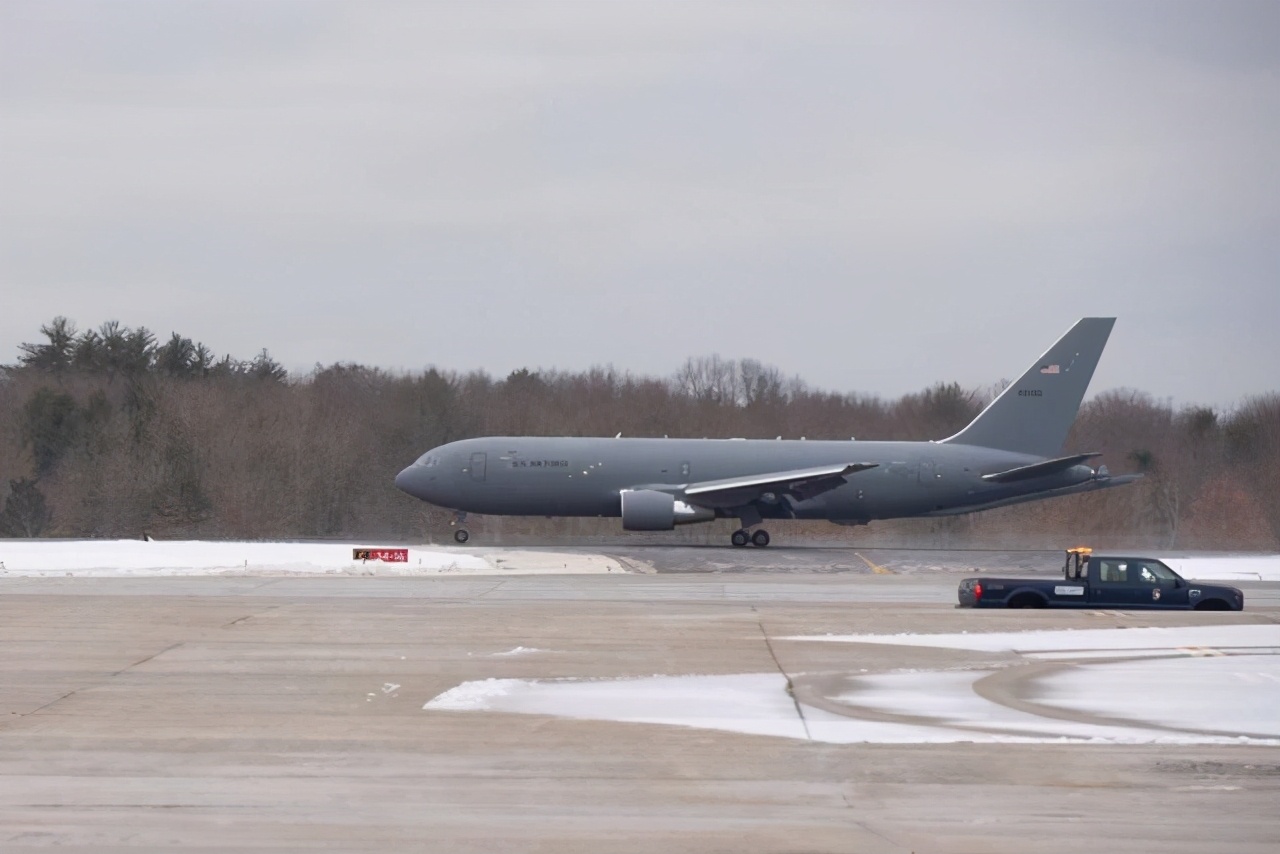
[
  {"x": 539, "y": 476},
  {"x": 1009, "y": 453}
]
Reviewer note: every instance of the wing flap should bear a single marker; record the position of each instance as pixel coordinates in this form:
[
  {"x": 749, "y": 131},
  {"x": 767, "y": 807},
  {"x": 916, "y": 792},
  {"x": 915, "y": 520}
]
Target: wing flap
[
  {"x": 802, "y": 483},
  {"x": 1040, "y": 469}
]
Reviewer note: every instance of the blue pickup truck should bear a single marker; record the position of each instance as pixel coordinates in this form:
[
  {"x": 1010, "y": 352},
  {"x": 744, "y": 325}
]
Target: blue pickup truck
[{"x": 1093, "y": 581}]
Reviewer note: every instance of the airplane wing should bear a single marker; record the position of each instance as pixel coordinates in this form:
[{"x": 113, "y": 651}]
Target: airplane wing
[
  {"x": 801, "y": 483},
  {"x": 1039, "y": 469}
]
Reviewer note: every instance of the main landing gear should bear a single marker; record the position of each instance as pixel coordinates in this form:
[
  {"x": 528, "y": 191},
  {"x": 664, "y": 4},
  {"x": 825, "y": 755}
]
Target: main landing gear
[
  {"x": 460, "y": 536},
  {"x": 742, "y": 536},
  {"x": 749, "y": 517}
]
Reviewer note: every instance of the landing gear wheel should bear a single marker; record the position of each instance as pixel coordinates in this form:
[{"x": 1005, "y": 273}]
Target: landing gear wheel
[
  {"x": 739, "y": 538},
  {"x": 760, "y": 538},
  {"x": 461, "y": 536}
]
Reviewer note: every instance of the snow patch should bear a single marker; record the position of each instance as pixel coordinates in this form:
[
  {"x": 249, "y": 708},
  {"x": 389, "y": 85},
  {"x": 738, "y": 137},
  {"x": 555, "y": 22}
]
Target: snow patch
[
  {"x": 1181, "y": 689},
  {"x": 519, "y": 650},
  {"x": 1233, "y": 693},
  {"x": 758, "y": 704},
  {"x": 1103, "y": 642},
  {"x": 473, "y": 695},
  {"x": 1261, "y": 568}
]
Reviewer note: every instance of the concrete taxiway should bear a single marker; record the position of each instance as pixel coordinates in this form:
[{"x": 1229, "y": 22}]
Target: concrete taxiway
[{"x": 287, "y": 714}]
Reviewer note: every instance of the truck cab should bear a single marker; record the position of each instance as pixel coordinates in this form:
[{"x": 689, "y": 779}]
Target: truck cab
[{"x": 1091, "y": 580}]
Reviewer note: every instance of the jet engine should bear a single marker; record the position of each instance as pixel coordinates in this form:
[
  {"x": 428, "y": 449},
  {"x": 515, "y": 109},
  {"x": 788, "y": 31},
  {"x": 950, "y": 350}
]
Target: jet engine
[{"x": 651, "y": 510}]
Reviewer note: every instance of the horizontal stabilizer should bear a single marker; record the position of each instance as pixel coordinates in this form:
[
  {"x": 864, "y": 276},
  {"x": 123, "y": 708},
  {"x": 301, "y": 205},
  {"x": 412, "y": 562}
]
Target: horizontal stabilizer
[
  {"x": 1039, "y": 469},
  {"x": 1119, "y": 479},
  {"x": 1093, "y": 484},
  {"x": 802, "y": 483}
]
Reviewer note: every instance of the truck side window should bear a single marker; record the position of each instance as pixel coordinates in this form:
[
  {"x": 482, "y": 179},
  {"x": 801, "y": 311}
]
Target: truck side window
[
  {"x": 1155, "y": 573},
  {"x": 1112, "y": 571}
]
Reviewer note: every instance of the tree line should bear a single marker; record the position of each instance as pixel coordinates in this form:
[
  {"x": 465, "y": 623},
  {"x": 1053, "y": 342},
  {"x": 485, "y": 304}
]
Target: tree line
[{"x": 109, "y": 432}]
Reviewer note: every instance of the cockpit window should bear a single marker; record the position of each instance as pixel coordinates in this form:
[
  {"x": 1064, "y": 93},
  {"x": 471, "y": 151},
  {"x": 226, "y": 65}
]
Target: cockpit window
[{"x": 428, "y": 460}]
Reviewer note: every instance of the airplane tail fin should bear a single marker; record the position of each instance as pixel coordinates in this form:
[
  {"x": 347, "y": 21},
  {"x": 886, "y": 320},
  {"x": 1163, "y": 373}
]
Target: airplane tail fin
[{"x": 1033, "y": 415}]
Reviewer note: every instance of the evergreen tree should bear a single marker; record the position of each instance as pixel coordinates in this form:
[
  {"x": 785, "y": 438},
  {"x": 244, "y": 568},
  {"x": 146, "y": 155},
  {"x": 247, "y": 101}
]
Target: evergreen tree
[{"x": 56, "y": 355}]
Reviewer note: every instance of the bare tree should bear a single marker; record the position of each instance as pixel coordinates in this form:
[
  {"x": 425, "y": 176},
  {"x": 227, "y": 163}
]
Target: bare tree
[{"x": 127, "y": 436}]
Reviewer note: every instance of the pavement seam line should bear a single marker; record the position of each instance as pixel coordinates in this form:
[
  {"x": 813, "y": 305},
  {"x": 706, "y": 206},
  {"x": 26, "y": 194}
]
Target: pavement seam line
[
  {"x": 50, "y": 703},
  {"x": 791, "y": 691},
  {"x": 490, "y": 590},
  {"x": 862, "y": 824},
  {"x": 74, "y": 691},
  {"x": 171, "y": 646},
  {"x": 240, "y": 620}
]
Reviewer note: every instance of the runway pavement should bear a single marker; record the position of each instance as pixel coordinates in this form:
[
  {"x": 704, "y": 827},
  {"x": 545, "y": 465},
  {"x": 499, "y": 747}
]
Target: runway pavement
[{"x": 287, "y": 714}]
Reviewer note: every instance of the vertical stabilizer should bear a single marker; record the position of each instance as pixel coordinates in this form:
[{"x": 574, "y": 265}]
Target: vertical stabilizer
[{"x": 1033, "y": 415}]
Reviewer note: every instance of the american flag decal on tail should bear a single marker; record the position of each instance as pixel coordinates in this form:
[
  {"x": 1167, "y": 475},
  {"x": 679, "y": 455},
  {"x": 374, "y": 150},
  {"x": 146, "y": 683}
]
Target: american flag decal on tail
[{"x": 1050, "y": 369}]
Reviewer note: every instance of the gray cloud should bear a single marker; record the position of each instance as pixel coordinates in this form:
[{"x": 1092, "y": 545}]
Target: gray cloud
[{"x": 874, "y": 196}]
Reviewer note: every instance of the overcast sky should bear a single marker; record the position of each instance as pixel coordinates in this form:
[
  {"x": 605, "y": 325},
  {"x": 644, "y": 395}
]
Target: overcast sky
[{"x": 873, "y": 196}]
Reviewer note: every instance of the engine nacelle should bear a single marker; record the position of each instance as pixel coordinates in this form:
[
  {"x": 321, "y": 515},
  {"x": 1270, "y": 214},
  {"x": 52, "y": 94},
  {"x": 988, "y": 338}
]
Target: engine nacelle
[
  {"x": 648, "y": 510},
  {"x": 651, "y": 510}
]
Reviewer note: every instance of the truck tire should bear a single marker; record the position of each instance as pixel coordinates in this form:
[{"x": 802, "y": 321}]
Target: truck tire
[
  {"x": 1213, "y": 605},
  {"x": 1027, "y": 600}
]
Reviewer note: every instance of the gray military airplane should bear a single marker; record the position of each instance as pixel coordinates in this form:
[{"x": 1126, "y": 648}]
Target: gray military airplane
[{"x": 1009, "y": 454}]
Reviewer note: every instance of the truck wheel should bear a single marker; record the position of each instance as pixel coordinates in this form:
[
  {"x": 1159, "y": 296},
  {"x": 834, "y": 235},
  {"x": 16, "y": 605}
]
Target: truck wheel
[
  {"x": 1212, "y": 605},
  {"x": 1026, "y": 600}
]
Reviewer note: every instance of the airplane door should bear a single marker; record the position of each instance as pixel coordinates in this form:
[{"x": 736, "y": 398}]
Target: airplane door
[
  {"x": 928, "y": 473},
  {"x": 477, "y": 466}
]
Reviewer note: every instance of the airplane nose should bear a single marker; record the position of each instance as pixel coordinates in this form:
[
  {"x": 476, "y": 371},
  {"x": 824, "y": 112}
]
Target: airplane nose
[{"x": 414, "y": 481}]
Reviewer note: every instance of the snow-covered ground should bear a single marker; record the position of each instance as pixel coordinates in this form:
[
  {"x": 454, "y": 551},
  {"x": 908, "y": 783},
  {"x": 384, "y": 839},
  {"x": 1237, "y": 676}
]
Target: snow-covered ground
[
  {"x": 107, "y": 558},
  {"x": 111, "y": 558},
  {"x": 1255, "y": 567},
  {"x": 1187, "y": 685},
  {"x": 1084, "y": 643}
]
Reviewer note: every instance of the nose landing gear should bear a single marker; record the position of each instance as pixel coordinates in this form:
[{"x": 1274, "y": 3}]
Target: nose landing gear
[{"x": 461, "y": 535}]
